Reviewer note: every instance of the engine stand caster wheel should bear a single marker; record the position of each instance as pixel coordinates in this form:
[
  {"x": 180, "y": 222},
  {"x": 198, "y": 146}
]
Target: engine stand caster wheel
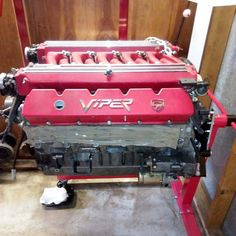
[
  {"x": 62, "y": 183},
  {"x": 70, "y": 202}
]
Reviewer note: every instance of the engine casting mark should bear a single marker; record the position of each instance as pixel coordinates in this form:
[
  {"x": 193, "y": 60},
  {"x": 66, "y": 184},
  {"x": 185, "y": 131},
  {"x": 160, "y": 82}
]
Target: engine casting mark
[
  {"x": 112, "y": 103},
  {"x": 157, "y": 104}
]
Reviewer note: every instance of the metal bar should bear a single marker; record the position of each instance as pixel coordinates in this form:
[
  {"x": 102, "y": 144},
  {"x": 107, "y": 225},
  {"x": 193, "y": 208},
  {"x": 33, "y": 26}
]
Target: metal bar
[
  {"x": 104, "y": 180},
  {"x": 92, "y": 43},
  {"x": 186, "y": 210},
  {"x": 123, "y": 19},
  {"x": 102, "y": 71},
  {"x": 216, "y": 102},
  {"x": 233, "y": 124},
  {"x": 95, "y": 177},
  {"x": 102, "y": 66},
  {"x": 220, "y": 120},
  {"x": 176, "y": 41},
  {"x": 21, "y": 26},
  {"x": 189, "y": 189}
]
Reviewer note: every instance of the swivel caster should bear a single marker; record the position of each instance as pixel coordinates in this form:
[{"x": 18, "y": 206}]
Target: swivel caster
[{"x": 62, "y": 183}]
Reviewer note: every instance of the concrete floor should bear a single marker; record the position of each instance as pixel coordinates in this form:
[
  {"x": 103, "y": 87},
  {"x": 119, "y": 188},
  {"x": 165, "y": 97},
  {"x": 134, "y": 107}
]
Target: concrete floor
[{"x": 103, "y": 210}]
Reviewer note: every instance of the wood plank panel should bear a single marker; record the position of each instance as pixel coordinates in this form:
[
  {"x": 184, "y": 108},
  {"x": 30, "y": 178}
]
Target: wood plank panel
[
  {"x": 225, "y": 192},
  {"x": 10, "y": 52},
  {"x": 160, "y": 18},
  {"x": 72, "y": 20},
  {"x": 98, "y": 19},
  {"x": 202, "y": 203},
  {"x": 216, "y": 43},
  {"x": 219, "y": 208},
  {"x": 9, "y": 42}
]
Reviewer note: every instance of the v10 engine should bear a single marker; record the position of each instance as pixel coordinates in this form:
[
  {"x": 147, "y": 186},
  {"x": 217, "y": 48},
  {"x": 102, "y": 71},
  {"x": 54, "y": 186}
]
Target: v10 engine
[{"x": 109, "y": 108}]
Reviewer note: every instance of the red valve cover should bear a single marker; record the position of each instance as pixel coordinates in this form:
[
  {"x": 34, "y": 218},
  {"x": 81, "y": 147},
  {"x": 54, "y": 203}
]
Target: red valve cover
[
  {"x": 107, "y": 105},
  {"x": 106, "y": 89}
]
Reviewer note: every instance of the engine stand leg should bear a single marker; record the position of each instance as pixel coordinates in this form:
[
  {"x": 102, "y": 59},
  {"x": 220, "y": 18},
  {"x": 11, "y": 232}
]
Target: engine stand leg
[{"x": 184, "y": 193}]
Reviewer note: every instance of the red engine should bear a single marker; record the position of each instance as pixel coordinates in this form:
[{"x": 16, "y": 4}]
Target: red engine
[{"x": 110, "y": 108}]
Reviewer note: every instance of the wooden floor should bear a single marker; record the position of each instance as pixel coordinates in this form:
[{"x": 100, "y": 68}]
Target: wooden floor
[{"x": 100, "y": 210}]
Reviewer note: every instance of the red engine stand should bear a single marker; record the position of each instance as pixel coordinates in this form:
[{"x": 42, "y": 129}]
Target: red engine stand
[{"x": 184, "y": 192}]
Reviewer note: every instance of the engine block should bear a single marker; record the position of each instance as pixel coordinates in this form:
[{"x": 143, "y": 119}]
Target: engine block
[{"x": 110, "y": 108}]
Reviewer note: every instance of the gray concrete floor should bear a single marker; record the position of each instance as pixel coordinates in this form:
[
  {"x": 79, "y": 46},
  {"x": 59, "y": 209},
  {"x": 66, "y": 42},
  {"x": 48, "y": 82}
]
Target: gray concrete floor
[{"x": 103, "y": 210}]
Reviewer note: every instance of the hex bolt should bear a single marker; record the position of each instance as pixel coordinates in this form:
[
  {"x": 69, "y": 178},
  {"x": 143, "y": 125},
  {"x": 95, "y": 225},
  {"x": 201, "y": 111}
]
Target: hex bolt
[
  {"x": 66, "y": 145},
  {"x": 181, "y": 140},
  {"x": 108, "y": 72},
  {"x": 26, "y": 123},
  {"x": 24, "y": 80}
]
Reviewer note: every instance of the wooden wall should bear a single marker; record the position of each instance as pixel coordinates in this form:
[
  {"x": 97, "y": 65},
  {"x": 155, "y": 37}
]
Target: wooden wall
[
  {"x": 10, "y": 54},
  {"x": 161, "y": 18},
  {"x": 98, "y": 19},
  {"x": 216, "y": 43},
  {"x": 74, "y": 19}
]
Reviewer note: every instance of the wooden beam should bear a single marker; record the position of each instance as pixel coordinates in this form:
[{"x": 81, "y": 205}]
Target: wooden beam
[
  {"x": 221, "y": 21},
  {"x": 21, "y": 165},
  {"x": 224, "y": 194},
  {"x": 219, "y": 208},
  {"x": 228, "y": 178},
  {"x": 202, "y": 204}
]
